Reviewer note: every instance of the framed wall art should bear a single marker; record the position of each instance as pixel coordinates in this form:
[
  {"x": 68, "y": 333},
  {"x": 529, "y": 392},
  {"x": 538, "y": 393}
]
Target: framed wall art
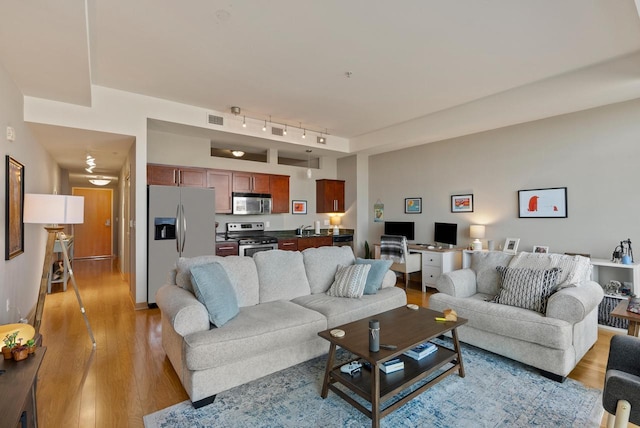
[
  {"x": 511, "y": 245},
  {"x": 462, "y": 203},
  {"x": 298, "y": 207},
  {"x": 540, "y": 249},
  {"x": 413, "y": 205},
  {"x": 14, "y": 227},
  {"x": 543, "y": 203}
]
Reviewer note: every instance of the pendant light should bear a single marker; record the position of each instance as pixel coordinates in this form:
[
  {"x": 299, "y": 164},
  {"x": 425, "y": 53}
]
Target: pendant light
[{"x": 309, "y": 173}]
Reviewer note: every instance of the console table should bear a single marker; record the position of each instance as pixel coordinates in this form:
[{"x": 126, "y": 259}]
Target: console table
[{"x": 18, "y": 390}]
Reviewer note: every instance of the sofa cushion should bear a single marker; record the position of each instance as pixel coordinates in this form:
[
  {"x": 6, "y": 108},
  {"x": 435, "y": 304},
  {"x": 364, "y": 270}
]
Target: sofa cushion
[
  {"x": 322, "y": 263},
  {"x": 350, "y": 281},
  {"x": 241, "y": 271},
  {"x": 575, "y": 269},
  {"x": 281, "y": 275},
  {"x": 340, "y": 311},
  {"x": 378, "y": 270},
  {"x": 527, "y": 288},
  {"x": 259, "y": 329},
  {"x": 508, "y": 321},
  {"x": 484, "y": 264},
  {"x": 213, "y": 289}
]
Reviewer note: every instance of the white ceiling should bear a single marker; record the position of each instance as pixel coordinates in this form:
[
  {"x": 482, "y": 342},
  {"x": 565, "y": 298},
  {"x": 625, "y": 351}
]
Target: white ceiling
[{"x": 287, "y": 58}]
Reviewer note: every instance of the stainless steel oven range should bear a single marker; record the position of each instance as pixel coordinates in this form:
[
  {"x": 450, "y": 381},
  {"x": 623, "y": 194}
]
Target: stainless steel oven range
[{"x": 251, "y": 238}]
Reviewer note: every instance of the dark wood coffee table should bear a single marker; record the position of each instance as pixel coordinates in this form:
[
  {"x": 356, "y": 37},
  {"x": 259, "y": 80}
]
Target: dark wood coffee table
[
  {"x": 404, "y": 328},
  {"x": 620, "y": 311}
]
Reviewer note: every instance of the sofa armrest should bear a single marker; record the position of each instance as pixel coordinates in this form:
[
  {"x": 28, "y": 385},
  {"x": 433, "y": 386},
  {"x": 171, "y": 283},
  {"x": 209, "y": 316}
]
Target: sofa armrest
[
  {"x": 574, "y": 303},
  {"x": 458, "y": 283},
  {"x": 184, "y": 312}
]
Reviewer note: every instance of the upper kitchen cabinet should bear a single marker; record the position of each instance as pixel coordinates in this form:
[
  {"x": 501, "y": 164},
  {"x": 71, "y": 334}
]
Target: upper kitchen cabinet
[
  {"x": 171, "y": 175},
  {"x": 222, "y": 181},
  {"x": 279, "y": 189},
  {"x": 246, "y": 182},
  {"x": 329, "y": 196}
]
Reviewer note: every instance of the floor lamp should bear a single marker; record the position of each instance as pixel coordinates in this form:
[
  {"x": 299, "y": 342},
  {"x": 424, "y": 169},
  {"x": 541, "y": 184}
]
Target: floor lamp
[{"x": 54, "y": 210}]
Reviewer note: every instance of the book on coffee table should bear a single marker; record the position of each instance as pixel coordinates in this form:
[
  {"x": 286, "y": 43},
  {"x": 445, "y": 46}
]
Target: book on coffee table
[
  {"x": 421, "y": 351},
  {"x": 634, "y": 305},
  {"x": 392, "y": 366}
]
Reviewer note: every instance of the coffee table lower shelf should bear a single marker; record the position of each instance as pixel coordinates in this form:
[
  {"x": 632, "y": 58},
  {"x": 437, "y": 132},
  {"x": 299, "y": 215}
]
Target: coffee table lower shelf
[{"x": 389, "y": 385}]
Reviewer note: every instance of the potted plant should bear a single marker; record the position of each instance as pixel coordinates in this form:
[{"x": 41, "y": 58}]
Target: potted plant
[
  {"x": 31, "y": 345},
  {"x": 9, "y": 343},
  {"x": 20, "y": 351}
]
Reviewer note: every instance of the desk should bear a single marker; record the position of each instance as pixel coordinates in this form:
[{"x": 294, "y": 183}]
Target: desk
[{"x": 18, "y": 390}]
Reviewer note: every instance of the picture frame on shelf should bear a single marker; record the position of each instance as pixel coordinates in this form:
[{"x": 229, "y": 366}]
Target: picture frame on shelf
[
  {"x": 462, "y": 203},
  {"x": 543, "y": 203},
  {"x": 541, "y": 249},
  {"x": 412, "y": 205},
  {"x": 298, "y": 207},
  {"x": 14, "y": 208},
  {"x": 511, "y": 245}
]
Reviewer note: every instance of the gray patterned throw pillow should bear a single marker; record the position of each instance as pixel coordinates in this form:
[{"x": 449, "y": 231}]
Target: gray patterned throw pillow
[
  {"x": 349, "y": 281},
  {"x": 527, "y": 288}
]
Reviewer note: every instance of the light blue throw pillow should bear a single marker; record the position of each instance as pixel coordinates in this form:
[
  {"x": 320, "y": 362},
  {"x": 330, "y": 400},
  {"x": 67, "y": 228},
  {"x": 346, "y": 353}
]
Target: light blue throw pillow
[
  {"x": 376, "y": 274},
  {"x": 213, "y": 289}
]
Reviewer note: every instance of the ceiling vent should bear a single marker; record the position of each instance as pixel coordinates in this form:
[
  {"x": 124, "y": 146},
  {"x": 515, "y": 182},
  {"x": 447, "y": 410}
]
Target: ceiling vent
[
  {"x": 322, "y": 140},
  {"x": 277, "y": 131},
  {"x": 215, "y": 120}
]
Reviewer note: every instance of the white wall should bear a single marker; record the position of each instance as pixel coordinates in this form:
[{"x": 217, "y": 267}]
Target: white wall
[
  {"x": 20, "y": 276},
  {"x": 593, "y": 153}
]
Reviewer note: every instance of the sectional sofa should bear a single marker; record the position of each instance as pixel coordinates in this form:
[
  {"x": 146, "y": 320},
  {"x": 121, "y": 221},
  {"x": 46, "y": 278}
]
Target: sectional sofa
[
  {"x": 283, "y": 300},
  {"x": 546, "y": 314}
]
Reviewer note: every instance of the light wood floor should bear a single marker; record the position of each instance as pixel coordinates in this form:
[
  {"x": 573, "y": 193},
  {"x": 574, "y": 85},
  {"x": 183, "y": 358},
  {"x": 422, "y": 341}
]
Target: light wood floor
[{"x": 128, "y": 375}]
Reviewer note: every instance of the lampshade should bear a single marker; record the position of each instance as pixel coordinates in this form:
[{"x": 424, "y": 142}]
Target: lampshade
[
  {"x": 53, "y": 209},
  {"x": 476, "y": 231},
  {"x": 335, "y": 220}
]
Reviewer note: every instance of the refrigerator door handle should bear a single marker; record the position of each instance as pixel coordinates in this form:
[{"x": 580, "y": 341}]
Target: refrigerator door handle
[
  {"x": 184, "y": 229},
  {"x": 178, "y": 234}
]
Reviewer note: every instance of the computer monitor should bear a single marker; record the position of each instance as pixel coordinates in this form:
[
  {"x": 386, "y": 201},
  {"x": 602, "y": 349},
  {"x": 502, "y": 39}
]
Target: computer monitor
[
  {"x": 445, "y": 233},
  {"x": 402, "y": 228}
]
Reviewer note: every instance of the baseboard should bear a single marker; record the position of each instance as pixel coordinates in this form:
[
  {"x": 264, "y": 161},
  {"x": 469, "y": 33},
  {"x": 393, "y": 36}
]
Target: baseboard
[{"x": 140, "y": 306}]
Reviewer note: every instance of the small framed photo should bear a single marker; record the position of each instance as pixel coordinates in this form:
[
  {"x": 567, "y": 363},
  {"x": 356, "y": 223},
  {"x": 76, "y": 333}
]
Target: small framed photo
[
  {"x": 543, "y": 203},
  {"x": 511, "y": 245},
  {"x": 298, "y": 207},
  {"x": 412, "y": 205},
  {"x": 462, "y": 203},
  {"x": 540, "y": 249}
]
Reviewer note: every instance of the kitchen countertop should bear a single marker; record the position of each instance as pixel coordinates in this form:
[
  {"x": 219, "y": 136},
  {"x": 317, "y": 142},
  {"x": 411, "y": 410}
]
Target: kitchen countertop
[{"x": 291, "y": 234}]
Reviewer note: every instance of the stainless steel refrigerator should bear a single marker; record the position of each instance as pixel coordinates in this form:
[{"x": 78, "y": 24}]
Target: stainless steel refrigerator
[{"x": 181, "y": 223}]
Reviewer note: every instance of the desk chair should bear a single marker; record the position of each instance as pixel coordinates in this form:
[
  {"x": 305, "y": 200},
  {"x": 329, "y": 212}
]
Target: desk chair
[
  {"x": 394, "y": 248},
  {"x": 621, "y": 395}
]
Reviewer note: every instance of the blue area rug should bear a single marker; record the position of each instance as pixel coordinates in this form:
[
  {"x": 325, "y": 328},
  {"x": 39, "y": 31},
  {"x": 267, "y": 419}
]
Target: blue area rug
[{"x": 496, "y": 392}]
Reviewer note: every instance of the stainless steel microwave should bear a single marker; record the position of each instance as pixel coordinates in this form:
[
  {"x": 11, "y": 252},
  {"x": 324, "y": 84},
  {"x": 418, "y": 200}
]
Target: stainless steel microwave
[{"x": 251, "y": 203}]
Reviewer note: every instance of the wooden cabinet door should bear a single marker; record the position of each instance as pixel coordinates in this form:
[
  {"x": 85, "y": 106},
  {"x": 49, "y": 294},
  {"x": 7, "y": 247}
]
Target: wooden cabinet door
[
  {"x": 279, "y": 189},
  {"x": 261, "y": 183},
  {"x": 329, "y": 196},
  {"x": 222, "y": 182},
  {"x": 224, "y": 249},
  {"x": 242, "y": 182},
  {"x": 192, "y": 177},
  {"x": 314, "y": 242},
  {"x": 163, "y": 175},
  {"x": 288, "y": 244}
]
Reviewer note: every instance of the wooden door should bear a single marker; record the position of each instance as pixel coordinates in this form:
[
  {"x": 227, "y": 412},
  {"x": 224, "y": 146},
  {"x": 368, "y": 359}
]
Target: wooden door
[{"x": 93, "y": 238}]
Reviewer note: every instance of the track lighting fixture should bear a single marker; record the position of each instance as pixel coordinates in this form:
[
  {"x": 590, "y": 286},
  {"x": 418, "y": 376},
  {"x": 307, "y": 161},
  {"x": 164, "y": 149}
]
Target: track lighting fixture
[
  {"x": 264, "y": 128},
  {"x": 309, "y": 173},
  {"x": 285, "y": 130},
  {"x": 237, "y": 111},
  {"x": 244, "y": 122}
]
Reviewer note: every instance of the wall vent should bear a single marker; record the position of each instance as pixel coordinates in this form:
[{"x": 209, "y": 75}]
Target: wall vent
[
  {"x": 215, "y": 120},
  {"x": 322, "y": 140},
  {"x": 277, "y": 131}
]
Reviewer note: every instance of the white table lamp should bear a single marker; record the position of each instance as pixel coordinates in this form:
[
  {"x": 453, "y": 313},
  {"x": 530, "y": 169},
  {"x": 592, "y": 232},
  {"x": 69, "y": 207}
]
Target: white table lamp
[
  {"x": 476, "y": 231},
  {"x": 335, "y": 222},
  {"x": 54, "y": 210}
]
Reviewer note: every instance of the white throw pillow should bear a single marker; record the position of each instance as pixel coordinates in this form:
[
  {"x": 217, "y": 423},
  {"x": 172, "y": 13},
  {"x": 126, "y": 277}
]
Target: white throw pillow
[{"x": 349, "y": 281}]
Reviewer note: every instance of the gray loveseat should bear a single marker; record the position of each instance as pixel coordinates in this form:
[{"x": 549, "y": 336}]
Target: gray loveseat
[
  {"x": 553, "y": 340},
  {"x": 283, "y": 304}
]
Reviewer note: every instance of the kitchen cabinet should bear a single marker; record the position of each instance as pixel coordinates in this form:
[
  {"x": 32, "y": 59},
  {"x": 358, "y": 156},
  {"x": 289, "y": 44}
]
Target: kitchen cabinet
[
  {"x": 224, "y": 249},
  {"x": 172, "y": 175},
  {"x": 279, "y": 189},
  {"x": 222, "y": 181},
  {"x": 247, "y": 182},
  {"x": 289, "y": 244},
  {"x": 329, "y": 196},
  {"x": 314, "y": 242}
]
